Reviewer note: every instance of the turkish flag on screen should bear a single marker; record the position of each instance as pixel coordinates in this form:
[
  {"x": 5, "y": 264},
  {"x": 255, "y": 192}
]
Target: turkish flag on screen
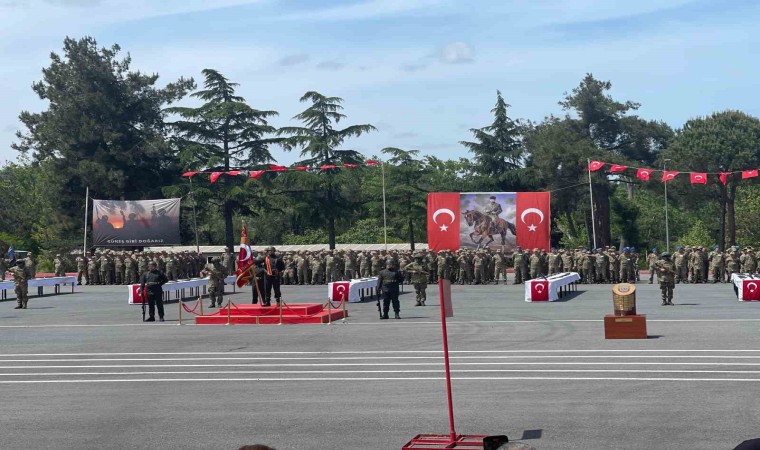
[
  {"x": 443, "y": 221},
  {"x": 533, "y": 220},
  {"x": 539, "y": 291},
  {"x": 751, "y": 290}
]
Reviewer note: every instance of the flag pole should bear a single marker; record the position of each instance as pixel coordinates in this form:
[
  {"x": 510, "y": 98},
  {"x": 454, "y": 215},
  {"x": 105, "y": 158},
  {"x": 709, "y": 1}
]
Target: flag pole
[
  {"x": 195, "y": 218},
  {"x": 86, "y": 213},
  {"x": 591, "y": 195},
  {"x": 385, "y": 221}
]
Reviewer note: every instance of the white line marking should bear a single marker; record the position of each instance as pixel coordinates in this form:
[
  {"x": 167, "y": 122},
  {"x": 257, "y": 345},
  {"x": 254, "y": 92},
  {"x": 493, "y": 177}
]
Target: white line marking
[
  {"x": 366, "y": 352},
  {"x": 354, "y": 379},
  {"x": 353, "y": 358},
  {"x": 120, "y": 366},
  {"x": 373, "y": 324},
  {"x": 269, "y": 372}
]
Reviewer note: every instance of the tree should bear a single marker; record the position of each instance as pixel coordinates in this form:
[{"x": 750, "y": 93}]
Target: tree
[
  {"x": 223, "y": 134},
  {"x": 320, "y": 141},
  {"x": 608, "y": 129},
  {"x": 103, "y": 128},
  {"x": 498, "y": 150},
  {"x": 406, "y": 201},
  {"x": 723, "y": 142}
]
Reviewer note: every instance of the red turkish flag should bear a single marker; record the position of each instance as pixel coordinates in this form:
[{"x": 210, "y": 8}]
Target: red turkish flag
[
  {"x": 533, "y": 220},
  {"x": 233, "y": 173},
  {"x": 698, "y": 178},
  {"x": 215, "y": 176},
  {"x": 274, "y": 168},
  {"x": 189, "y": 174},
  {"x": 617, "y": 168},
  {"x": 327, "y": 167},
  {"x": 372, "y": 163},
  {"x": 749, "y": 174},
  {"x": 340, "y": 291},
  {"x": 593, "y": 166},
  {"x": 245, "y": 259},
  {"x": 539, "y": 291},
  {"x": 443, "y": 221},
  {"x": 724, "y": 177},
  {"x": 643, "y": 174},
  {"x": 301, "y": 168},
  {"x": 349, "y": 166},
  {"x": 668, "y": 175},
  {"x": 256, "y": 174},
  {"x": 751, "y": 290}
]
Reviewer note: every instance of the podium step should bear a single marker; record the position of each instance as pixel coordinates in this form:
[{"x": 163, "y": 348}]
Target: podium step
[{"x": 247, "y": 314}]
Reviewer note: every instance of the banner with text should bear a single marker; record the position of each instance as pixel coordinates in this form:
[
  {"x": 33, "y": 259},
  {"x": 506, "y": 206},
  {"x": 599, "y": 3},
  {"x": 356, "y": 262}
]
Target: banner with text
[
  {"x": 119, "y": 223},
  {"x": 473, "y": 220}
]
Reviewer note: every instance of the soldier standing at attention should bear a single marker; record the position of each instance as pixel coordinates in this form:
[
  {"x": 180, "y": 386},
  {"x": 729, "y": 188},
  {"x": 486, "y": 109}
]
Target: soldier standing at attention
[
  {"x": 21, "y": 276},
  {"x": 732, "y": 264},
  {"x": 651, "y": 261},
  {"x": 554, "y": 261},
  {"x": 152, "y": 280},
  {"x": 31, "y": 265},
  {"x": 118, "y": 266},
  {"x": 682, "y": 268},
  {"x": 213, "y": 271},
  {"x": 499, "y": 267},
  {"x": 419, "y": 277},
  {"x": 535, "y": 264},
  {"x": 388, "y": 282},
  {"x": 92, "y": 271},
  {"x": 666, "y": 272},
  {"x": 273, "y": 267},
  {"x": 82, "y": 270},
  {"x": 478, "y": 272},
  {"x": 443, "y": 266},
  {"x": 60, "y": 270},
  {"x": 518, "y": 264},
  {"x": 717, "y": 265}
]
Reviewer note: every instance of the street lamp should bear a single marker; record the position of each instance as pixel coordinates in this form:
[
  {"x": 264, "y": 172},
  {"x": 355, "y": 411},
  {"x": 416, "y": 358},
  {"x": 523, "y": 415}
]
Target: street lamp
[{"x": 667, "y": 227}]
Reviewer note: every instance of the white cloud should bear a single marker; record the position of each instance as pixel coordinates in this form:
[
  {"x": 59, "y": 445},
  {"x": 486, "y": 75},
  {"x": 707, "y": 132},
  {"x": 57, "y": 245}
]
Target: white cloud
[
  {"x": 293, "y": 60},
  {"x": 456, "y": 53},
  {"x": 366, "y": 10}
]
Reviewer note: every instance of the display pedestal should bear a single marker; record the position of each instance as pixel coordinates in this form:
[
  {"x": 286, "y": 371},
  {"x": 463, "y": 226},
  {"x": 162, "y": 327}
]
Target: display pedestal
[{"x": 625, "y": 327}]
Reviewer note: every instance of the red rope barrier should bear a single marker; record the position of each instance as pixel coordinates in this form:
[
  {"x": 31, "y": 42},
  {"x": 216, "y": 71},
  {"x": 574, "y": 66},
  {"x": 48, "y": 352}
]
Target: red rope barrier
[{"x": 192, "y": 311}]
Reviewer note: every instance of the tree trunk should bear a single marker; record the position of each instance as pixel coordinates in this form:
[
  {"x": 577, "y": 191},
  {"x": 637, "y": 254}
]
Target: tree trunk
[
  {"x": 411, "y": 233},
  {"x": 228, "y": 238},
  {"x": 723, "y": 204},
  {"x": 330, "y": 217},
  {"x": 731, "y": 215},
  {"x": 601, "y": 215}
]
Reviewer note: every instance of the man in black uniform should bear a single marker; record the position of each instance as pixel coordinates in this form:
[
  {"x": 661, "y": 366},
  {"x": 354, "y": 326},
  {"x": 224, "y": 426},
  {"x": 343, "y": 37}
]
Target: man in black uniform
[
  {"x": 274, "y": 267},
  {"x": 259, "y": 279},
  {"x": 388, "y": 281},
  {"x": 152, "y": 280}
]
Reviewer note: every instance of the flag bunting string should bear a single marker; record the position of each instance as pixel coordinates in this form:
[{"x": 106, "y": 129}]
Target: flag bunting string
[
  {"x": 256, "y": 174},
  {"x": 668, "y": 175}
]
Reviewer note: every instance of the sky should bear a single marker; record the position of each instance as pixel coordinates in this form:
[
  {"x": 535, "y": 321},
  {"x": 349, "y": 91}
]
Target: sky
[{"x": 423, "y": 72}]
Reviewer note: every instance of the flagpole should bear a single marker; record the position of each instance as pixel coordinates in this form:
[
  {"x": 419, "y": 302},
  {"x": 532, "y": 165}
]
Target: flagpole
[
  {"x": 86, "y": 213},
  {"x": 667, "y": 227},
  {"x": 385, "y": 221},
  {"x": 591, "y": 194},
  {"x": 195, "y": 218}
]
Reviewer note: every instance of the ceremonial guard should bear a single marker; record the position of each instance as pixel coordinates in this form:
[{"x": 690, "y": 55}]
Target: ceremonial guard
[
  {"x": 273, "y": 266},
  {"x": 150, "y": 283},
  {"x": 388, "y": 282},
  {"x": 666, "y": 272},
  {"x": 419, "y": 277},
  {"x": 60, "y": 269}
]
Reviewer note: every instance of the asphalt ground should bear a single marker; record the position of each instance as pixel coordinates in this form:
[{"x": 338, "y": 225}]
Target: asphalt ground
[{"x": 81, "y": 371}]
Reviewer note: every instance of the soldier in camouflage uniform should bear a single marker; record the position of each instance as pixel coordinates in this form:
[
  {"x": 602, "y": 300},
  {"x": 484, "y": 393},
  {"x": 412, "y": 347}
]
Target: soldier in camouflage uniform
[
  {"x": 215, "y": 274},
  {"x": 60, "y": 269},
  {"x": 82, "y": 270},
  {"x": 499, "y": 267},
  {"x": 519, "y": 264},
  {"x": 419, "y": 275},
  {"x": 717, "y": 265},
  {"x": 666, "y": 272},
  {"x": 21, "y": 276},
  {"x": 536, "y": 264},
  {"x": 554, "y": 262}
]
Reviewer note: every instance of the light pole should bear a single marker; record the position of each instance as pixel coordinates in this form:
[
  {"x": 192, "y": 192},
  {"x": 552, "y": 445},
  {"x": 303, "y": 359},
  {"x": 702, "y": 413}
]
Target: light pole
[{"x": 667, "y": 227}]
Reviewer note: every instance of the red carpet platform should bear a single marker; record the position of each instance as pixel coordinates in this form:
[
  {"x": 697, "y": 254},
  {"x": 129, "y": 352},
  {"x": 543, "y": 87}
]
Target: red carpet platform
[{"x": 260, "y": 315}]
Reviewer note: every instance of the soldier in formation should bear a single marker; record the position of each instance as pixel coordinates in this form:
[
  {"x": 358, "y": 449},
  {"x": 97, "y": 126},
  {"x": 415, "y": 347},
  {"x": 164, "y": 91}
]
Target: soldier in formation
[{"x": 666, "y": 272}]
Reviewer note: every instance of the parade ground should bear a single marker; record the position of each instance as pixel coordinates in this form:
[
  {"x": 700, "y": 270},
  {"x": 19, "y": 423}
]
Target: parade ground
[{"x": 82, "y": 371}]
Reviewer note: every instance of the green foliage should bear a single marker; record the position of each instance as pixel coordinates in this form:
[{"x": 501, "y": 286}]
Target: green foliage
[
  {"x": 306, "y": 238},
  {"x": 365, "y": 231},
  {"x": 698, "y": 235},
  {"x": 102, "y": 128}
]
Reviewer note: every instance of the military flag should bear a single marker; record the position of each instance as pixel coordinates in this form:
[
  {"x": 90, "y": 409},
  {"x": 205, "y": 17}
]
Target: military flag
[{"x": 245, "y": 260}]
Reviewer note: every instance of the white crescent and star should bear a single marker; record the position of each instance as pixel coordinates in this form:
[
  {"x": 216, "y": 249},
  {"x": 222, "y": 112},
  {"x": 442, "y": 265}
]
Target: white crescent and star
[
  {"x": 448, "y": 212},
  {"x": 698, "y": 177},
  {"x": 532, "y": 226},
  {"x": 247, "y": 252},
  {"x": 750, "y": 286},
  {"x": 341, "y": 288},
  {"x": 540, "y": 287}
]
